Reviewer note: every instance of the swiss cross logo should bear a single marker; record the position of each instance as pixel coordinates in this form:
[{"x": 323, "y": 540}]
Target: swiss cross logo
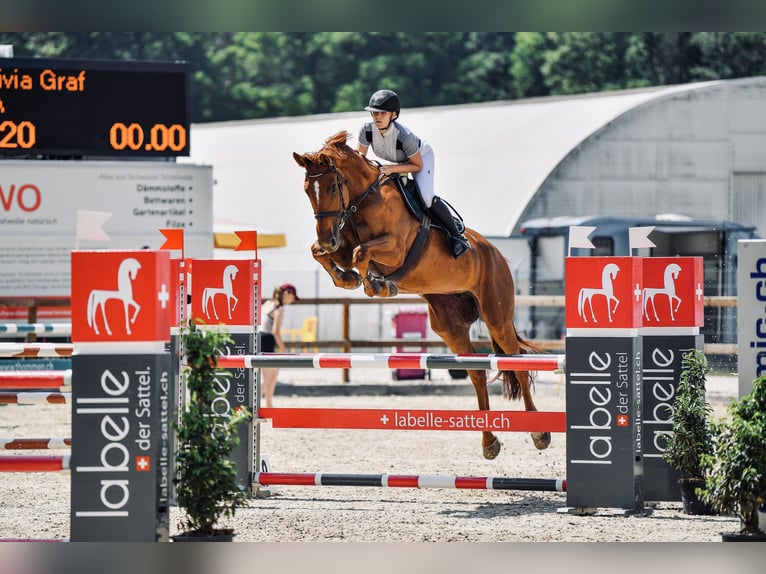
[
  {"x": 622, "y": 420},
  {"x": 143, "y": 463}
]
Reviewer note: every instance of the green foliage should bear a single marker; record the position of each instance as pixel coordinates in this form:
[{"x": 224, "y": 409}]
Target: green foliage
[
  {"x": 206, "y": 481},
  {"x": 735, "y": 471},
  {"x": 245, "y": 75},
  {"x": 692, "y": 436}
]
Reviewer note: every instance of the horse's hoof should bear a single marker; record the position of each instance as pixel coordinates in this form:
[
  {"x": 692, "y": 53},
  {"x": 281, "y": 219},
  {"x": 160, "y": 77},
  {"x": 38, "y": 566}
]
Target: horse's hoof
[
  {"x": 542, "y": 440},
  {"x": 491, "y": 451}
]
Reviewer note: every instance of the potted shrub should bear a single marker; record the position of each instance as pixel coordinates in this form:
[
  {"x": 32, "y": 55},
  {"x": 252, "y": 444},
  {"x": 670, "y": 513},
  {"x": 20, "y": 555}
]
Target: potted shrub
[
  {"x": 206, "y": 478},
  {"x": 736, "y": 469},
  {"x": 692, "y": 435}
]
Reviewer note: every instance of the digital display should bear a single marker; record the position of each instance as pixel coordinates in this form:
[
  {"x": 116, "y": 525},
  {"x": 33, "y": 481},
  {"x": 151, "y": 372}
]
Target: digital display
[{"x": 75, "y": 108}]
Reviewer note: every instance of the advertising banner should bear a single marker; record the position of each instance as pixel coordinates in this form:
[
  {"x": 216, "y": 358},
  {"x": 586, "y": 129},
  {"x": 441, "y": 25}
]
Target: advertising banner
[
  {"x": 604, "y": 432},
  {"x": 603, "y": 383},
  {"x": 122, "y": 459},
  {"x": 603, "y": 292},
  {"x": 751, "y": 312},
  {"x": 663, "y": 361},
  {"x": 40, "y": 202},
  {"x": 223, "y": 295},
  {"x": 123, "y": 396},
  {"x": 672, "y": 306}
]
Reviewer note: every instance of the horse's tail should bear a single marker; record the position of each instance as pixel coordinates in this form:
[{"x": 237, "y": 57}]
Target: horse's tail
[
  {"x": 580, "y": 302},
  {"x": 511, "y": 385}
]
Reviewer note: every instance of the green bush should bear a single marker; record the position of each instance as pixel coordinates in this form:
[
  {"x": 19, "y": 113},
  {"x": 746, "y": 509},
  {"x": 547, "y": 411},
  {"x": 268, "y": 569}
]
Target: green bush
[
  {"x": 206, "y": 479},
  {"x": 736, "y": 470},
  {"x": 692, "y": 436}
]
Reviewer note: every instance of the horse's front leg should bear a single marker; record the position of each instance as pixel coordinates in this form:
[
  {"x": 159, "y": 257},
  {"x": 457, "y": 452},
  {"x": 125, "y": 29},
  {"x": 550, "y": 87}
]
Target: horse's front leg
[
  {"x": 345, "y": 278},
  {"x": 384, "y": 250}
]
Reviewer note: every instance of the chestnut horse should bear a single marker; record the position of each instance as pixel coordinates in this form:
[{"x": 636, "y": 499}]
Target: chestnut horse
[{"x": 364, "y": 234}]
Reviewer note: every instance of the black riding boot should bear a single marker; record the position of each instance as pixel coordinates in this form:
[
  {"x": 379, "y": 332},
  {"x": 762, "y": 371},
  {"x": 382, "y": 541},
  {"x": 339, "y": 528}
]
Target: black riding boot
[{"x": 442, "y": 214}]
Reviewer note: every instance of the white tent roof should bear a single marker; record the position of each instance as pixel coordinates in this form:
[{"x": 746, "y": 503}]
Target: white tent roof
[{"x": 490, "y": 158}]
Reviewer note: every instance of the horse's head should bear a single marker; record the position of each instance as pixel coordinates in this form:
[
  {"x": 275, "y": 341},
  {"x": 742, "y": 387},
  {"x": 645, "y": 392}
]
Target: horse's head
[
  {"x": 328, "y": 188},
  {"x": 131, "y": 267}
]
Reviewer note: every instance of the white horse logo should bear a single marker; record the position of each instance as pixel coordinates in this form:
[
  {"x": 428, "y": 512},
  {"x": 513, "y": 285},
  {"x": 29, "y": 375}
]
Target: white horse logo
[
  {"x": 98, "y": 297},
  {"x": 209, "y": 293},
  {"x": 608, "y": 275},
  {"x": 669, "y": 290}
]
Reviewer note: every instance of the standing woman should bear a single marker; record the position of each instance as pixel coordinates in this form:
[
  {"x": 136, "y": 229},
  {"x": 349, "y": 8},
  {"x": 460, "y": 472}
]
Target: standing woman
[
  {"x": 394, "y": 142},
  {"x": 271, "y": 340}
]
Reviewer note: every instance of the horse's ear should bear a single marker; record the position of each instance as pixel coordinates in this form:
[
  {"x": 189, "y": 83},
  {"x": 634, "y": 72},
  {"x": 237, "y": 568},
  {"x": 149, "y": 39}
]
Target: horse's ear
[{"x": 299, "y": 160}]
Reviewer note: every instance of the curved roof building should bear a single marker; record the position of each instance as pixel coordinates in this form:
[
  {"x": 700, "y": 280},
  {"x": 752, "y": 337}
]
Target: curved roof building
[{"x": 695, "y": 150}]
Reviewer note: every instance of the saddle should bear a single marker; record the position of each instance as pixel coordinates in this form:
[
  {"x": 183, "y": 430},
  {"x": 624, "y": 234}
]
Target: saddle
[
  {"x": 408, "y": 187},
  {"x": 409, "y": 190}
]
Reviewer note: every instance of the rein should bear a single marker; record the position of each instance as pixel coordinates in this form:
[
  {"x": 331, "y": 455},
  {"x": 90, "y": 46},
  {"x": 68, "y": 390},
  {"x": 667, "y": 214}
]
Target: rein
[{"x": 345, "y": 212}]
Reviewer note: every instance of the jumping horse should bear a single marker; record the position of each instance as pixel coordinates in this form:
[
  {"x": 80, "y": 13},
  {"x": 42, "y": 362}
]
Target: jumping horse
[{"x": 365, "y": 236}]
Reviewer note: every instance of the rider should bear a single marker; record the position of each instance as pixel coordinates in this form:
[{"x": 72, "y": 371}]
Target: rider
[{"x": 393, "y": 142}]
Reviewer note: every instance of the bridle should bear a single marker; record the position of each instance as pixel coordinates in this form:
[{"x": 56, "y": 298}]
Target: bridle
[{"x": 344, "y": 212}]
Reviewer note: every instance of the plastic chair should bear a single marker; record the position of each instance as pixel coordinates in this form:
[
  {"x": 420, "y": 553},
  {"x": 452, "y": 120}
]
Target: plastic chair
[{"x": 306, "y": 334}]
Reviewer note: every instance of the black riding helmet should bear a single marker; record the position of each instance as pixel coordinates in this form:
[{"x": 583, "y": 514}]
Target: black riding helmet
[{"x": 384, "y": 101}]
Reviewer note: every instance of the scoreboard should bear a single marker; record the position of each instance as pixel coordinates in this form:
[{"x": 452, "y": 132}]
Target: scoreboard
[{"x": 82, "y": 108}]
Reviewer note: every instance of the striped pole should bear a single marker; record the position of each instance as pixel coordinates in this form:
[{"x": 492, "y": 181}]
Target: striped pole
[
  {"x": 25, "y": 398},
  {"x": 395, "y": 361},
  {"x": 35, "y": 379},
  {"x": 23, "y": 463},
  {"x": 416, "y": 419},
  {"x": 53, "y": 329},
  {"x": 409, "y": 481},
  {"x": 35, "y": 443},
  {"x": 35, "y": 350}
]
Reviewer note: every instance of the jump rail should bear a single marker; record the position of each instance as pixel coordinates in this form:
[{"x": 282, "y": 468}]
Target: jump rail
[
  {"x": 409, "y": 481},
  {"x": 35, "y": 379},
  {"x": 35, "y": 443},
  {"x": 24, "y": 398},
  {"x": 53, "y": 329},
  {"x": 24, "y": 463},
  {"x": 394, "y": 361},
  {"x": 10, "y": 350}
]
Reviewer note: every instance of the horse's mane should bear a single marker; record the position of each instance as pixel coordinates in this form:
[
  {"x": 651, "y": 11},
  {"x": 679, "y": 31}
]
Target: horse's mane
[{"x": 336, "y": 149}]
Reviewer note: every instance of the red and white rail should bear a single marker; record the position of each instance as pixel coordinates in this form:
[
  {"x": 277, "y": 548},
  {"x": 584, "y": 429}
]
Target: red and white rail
[{"x": 394, "y": 361}]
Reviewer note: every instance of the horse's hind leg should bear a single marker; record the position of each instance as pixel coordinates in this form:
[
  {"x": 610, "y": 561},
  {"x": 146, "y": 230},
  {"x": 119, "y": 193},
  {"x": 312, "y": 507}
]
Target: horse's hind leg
[
  {"x": 505, "y": 340},
  {"x": 451, "y": 317}
]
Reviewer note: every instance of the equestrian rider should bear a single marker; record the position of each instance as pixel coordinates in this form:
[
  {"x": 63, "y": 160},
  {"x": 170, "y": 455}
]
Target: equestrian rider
[{"x": 392, "y": 141}]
